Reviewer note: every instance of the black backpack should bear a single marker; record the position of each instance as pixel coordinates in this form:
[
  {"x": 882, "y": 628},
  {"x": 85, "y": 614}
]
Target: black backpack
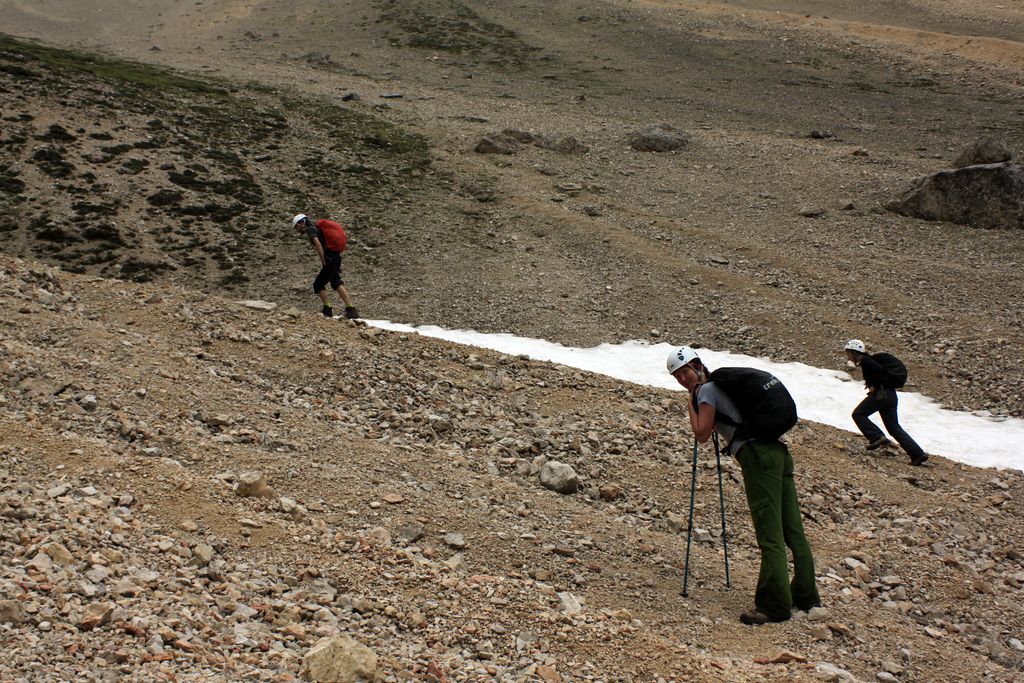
[
  {"x": 894, "y": 372},
  {"x": 762, "y": 400}
]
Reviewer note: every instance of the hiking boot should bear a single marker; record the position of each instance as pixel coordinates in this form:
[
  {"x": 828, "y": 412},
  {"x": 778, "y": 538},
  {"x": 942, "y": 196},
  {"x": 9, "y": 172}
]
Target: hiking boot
[
  {"x": 351, "y": 313},
  {"x": 917, "y": 462},
  {"x": 327, "y": 311},
  {"x": 755, "y": 618},
  {"x": 880, "y": 442}
]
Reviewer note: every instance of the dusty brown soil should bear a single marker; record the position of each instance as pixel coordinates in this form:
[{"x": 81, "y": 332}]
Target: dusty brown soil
[
  {"x": 823, "y": 108},
  {"x": 167, "y": 395}
]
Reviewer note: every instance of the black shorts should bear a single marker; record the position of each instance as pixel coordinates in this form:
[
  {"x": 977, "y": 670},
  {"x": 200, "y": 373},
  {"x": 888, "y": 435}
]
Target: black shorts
[{"x": 330, "y": 273}]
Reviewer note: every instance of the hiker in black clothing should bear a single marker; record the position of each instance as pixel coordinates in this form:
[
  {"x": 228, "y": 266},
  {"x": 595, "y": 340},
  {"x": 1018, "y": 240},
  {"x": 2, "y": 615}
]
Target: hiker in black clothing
[{"x": 883, "y": 400}]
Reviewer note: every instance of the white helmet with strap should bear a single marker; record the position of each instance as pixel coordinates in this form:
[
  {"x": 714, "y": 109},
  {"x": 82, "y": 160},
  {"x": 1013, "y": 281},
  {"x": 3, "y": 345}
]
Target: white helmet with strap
[
  {"x": 855, "y": 345},
  {"x": 299, "y": 217},
  {"x": 680, "y": 357}
]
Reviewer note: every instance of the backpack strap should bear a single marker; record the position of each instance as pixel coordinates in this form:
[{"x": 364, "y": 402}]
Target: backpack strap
[{"x": 719, "y": 415}]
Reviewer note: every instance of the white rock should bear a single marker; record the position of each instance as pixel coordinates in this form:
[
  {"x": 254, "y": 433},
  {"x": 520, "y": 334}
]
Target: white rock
[
  {"x": 569, "y": 603},
  {"x": 257, "y": 304}
]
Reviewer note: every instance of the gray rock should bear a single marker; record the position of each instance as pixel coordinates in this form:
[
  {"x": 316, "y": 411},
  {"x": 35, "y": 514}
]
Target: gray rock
[
  {"x": 519, "y": 135},
  {"x": 557, "y": 476},
  {"x": 830, "y": 673},
  {"x": 984, "y": 151},
  {"x": 660, "y": 138},
  {"x": 291, "y": 507},
  {"x": 983, "y": 196},
  {"x": 411, "y": 532},
  {"x": 496, "y": 144},
  {"x": 339, "y": 659},
  {"x": 454, "y": 540},
  {"x": 563, "y": 144}
]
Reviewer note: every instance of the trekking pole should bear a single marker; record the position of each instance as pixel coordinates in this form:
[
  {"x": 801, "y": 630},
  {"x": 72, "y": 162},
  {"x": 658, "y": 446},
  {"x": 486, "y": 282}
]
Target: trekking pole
[
  {"x": 689, "y": 527},
  {"x": 721, "y": 505}
]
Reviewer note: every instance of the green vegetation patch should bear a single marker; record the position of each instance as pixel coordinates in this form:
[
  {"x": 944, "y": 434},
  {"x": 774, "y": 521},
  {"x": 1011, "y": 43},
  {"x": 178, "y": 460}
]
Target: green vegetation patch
[
  {"x": 10, "y": 183},
  {"x": 451, "y": 26},
  {"x": 15, "y": 50},
  {"x": 228, "y": 163}
]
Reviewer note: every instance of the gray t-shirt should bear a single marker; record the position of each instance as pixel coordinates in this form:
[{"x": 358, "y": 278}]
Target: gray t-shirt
[{"x": 723, "y": 405}]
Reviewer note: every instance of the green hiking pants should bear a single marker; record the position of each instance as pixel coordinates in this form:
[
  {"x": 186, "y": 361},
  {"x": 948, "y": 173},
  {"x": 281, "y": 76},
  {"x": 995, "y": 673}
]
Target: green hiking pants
[{"x": 771, "y": 496}]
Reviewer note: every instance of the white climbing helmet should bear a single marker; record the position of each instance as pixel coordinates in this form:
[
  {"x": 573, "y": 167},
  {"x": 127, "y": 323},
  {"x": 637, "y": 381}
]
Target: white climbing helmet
[
  {"x": 299, "y": 217},
  {"x": 855, "y": 345},
  {"x": 680, "y": 357}
]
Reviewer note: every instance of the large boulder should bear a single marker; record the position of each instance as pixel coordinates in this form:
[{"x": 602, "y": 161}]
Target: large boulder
[
  {"x": 983, "y": 196},
  {"x": 339, "y": 659},
  {"x": 660, "y": 138},
  {"x": 984, "y": 151}
]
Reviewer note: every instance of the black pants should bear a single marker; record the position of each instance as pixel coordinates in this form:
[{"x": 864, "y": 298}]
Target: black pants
[
  {"x": 330, "y": 273},
  {"x": 884, "y": 402}
]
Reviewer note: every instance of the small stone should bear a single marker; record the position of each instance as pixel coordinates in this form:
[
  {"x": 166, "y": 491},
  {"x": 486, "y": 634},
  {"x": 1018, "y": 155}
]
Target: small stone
[
  {"x": 559, "y": 477},
  {"x": 379, "y": 537},
  {"x": 818, "y": 614},
  {"x": 58, "y": 491},
  {"x": 11, "y": 612},
  {"x": 202, "y": 554},
  {"x": 291, "y": 507},
  {"x": 393, "y": 498},
  {"x": 256, "y": 303},
  {"x": 252, "y": 484},
  {"x": 96, "y": 614},
  {"x": 59, "y": 554},
  {"x": 411, "y": 532},
  {"x": 569, "y": 604},
  {"x": 339, "y": 659},
  {"x": 454, "y": 540}
]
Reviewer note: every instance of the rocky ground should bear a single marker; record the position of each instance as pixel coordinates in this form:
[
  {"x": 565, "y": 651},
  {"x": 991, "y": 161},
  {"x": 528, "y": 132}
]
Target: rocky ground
[
  {"x": 764, "y": 233},
  {"x": 195, "y": 490}
]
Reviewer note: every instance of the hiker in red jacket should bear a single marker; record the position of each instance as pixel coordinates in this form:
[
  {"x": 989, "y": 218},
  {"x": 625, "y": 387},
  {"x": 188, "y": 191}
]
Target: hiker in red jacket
[{"x": 329, "y": 240}]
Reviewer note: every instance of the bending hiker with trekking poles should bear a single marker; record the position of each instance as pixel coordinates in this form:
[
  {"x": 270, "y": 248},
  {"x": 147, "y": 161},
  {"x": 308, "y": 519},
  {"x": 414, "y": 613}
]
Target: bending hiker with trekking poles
[
  {"x": 329, "y": 240},
  {"x": 751, "y": 409},
  {"x": 883, "y": 373}
]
